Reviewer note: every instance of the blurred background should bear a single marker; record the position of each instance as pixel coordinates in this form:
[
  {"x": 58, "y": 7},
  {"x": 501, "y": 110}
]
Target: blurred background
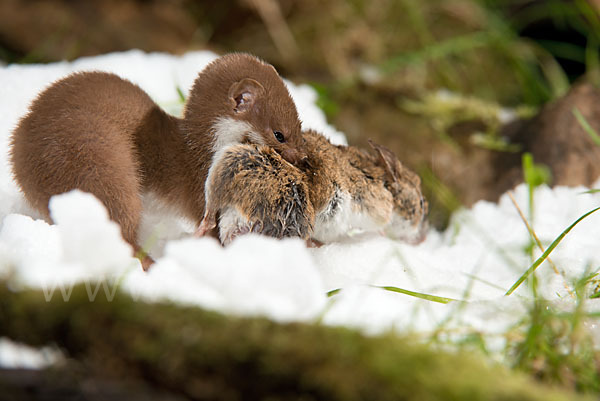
[{"x": 450, "y": 86}]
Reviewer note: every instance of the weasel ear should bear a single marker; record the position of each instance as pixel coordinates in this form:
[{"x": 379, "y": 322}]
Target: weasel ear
[
  {"x": 243, "y": 94},
  {"x": 388, "y": 160}
]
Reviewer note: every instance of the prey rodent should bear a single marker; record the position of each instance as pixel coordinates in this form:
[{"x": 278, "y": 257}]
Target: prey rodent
[
  {"x": 338, "y": 189},
  {"x": 99, "y": 133}
]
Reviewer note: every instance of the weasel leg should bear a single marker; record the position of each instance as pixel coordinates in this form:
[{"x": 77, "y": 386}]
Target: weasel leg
[{"x": 143, "y": 256}]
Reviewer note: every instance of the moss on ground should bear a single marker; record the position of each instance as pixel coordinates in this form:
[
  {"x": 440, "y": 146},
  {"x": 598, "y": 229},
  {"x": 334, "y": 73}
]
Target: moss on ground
[{"x": 205, "y": 355}]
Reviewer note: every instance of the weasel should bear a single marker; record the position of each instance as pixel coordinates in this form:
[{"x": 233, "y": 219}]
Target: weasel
[{"x": 99, "y": 133}]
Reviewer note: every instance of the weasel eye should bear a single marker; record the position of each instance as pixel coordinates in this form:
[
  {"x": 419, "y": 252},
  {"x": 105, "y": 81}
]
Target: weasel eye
[{"x": 279, "y": 136}]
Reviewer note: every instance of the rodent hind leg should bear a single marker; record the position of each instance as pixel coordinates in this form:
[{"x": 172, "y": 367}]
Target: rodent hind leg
[
  {"x": 232, "y": 224},
  {"x": 208, "y": 224}
]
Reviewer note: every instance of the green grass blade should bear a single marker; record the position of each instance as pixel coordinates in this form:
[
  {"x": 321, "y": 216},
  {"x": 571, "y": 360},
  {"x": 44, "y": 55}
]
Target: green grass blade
[
  {"x": 438, "y": 50},
  {"x": 433, "y": 298},
  {"x": 591, "y": 191},
  {"x": 180, "y": 94},
  {"x": 586, "y": 126},
  {"x": 545, "y": 254},
  {"x": 534, "y": 174},
  {"x": 565, "y": 50},
  {"x": 427, "y": 297}
]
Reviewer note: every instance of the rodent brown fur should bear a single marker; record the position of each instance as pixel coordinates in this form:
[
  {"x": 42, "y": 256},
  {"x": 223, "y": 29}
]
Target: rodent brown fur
[
  {"x": 347, "y": 189},
  {"x": 99, "y": 133},
  {"x": 272, "y": 195}
]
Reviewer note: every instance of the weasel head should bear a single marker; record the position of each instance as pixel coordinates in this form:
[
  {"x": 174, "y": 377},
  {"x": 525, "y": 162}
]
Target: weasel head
[{"x": 253, "y": 101}]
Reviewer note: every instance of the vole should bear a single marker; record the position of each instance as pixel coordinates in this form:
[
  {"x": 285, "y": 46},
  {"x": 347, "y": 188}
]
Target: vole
[
  {"x": 99, "y": 133},
  {"x": 338, "y": 189},
  {"x": 251, "y": 188}
]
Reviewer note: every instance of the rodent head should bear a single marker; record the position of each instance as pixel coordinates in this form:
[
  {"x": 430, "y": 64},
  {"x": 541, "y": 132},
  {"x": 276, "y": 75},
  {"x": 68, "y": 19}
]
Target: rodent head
[
  {"x": 243, "y": 99},
  {"x": 410, "y": 207}
]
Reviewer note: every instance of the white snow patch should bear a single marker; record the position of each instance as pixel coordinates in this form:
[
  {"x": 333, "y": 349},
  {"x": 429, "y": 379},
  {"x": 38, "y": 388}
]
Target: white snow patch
[
  {"x": 18, "y": 356},
  {"x": 253, "y": 276}
]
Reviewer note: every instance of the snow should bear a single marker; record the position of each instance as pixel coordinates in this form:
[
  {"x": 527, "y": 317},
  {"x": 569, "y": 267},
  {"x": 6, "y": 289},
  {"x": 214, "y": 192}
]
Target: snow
[
  {"x": 477, "y": 259},
  {"x": 19, "y": 356}
]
